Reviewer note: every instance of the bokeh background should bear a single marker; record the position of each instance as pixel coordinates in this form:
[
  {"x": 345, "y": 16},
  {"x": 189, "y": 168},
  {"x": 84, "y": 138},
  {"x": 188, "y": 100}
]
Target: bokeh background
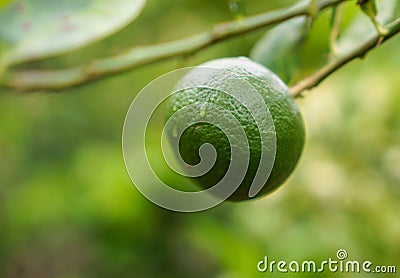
[{"x": 69, "y": 209}]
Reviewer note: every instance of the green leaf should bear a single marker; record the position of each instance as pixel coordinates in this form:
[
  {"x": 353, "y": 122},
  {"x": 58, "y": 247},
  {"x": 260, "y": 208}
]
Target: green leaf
[
  {"x": 37, "y": 29},
  {"x": 362, "y": 29},
  {"x": 279, "y": 49}
]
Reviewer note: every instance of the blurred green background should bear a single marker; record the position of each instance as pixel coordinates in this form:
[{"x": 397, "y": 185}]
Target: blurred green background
[{"x": 69, "y": 209}]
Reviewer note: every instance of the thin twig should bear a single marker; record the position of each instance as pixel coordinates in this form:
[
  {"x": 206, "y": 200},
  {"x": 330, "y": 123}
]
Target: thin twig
[
  {"x": 337, "y": 13},
  {"x": 29, "y": 80},
  {"x": 316, "y": 78}
]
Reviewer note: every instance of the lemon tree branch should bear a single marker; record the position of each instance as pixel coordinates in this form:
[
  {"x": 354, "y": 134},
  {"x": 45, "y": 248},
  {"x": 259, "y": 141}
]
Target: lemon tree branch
[
  {"x": 316, "y": 78},
  {"x": 28, "y": 80}
]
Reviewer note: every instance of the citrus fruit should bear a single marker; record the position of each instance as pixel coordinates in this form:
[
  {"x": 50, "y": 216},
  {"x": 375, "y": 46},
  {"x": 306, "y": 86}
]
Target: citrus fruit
[{"x": 286, "y": 118}]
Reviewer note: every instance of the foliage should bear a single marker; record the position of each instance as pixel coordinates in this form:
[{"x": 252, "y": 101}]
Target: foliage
[{"x": 32, "y": 30}]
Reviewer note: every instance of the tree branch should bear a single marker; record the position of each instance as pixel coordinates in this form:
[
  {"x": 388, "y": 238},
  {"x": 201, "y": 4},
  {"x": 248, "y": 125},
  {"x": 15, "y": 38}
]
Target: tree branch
[
  {"x": 316, "y": 78},
  {"x": 29, "y": 80}
]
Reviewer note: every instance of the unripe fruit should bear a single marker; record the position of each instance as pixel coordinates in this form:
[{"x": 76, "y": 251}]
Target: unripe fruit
[{"x": 287, "y": 121}]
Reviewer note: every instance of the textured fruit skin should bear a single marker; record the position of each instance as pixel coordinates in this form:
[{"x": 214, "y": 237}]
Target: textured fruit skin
[{"x": 289, "y": 127}]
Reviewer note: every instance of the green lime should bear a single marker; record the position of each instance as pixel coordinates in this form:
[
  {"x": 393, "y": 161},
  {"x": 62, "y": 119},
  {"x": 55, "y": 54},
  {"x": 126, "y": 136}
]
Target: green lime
[{"x": 286, "y": 118}]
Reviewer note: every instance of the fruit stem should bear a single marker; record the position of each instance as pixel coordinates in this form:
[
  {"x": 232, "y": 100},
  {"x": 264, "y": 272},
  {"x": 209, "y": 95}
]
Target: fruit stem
[{"x": 337, "y": 12}]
